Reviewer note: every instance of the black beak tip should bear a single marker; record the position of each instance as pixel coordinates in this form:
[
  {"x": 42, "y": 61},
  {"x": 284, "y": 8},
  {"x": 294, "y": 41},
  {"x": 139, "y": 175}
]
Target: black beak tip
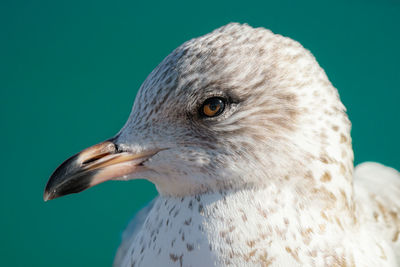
[
  {"x": 49, "y": 192},
  {"x": 67, "y": 179},
  {"x": 72, "y": 176},
  {"x": 47, "y": 196}
]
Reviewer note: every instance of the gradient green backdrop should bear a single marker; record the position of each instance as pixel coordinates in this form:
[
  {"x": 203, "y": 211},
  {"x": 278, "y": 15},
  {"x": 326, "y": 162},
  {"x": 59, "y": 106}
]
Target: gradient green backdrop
[{"x": 69, "y": 72}]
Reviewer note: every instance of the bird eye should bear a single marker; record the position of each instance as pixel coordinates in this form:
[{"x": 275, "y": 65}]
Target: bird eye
[{"x": 212, "y": 107}]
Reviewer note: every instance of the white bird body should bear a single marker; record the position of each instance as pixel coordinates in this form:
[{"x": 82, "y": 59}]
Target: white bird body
[
  {"x": 267, "y": 227},
  {"x": 249, "y": 146}
]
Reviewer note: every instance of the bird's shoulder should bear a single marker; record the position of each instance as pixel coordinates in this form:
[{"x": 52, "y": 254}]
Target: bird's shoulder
[
  {"x": 376, "y": 177},
  {"x": 377, "y": 196}
]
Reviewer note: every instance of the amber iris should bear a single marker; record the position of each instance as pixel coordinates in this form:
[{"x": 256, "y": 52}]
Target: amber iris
[{"x": 213, "y": 107}]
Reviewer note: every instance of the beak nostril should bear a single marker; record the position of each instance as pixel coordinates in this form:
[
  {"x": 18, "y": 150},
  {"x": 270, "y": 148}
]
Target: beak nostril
[
  {"x": 117, "y": 148},
  {"x": 93, "y": 159}
]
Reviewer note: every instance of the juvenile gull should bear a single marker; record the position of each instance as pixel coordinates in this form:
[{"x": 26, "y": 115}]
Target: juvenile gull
[{"x": 249, "y": 147}]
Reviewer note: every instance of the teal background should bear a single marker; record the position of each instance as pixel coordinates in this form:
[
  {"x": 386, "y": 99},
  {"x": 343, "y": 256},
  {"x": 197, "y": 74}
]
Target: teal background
[{"x": 69, "y": 72}]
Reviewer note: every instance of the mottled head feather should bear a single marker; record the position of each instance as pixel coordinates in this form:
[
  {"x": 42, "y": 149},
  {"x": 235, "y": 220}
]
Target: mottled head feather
[{"x": 283, "y": 118}]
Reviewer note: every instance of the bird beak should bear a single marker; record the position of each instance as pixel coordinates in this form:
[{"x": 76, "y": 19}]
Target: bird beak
[{"x": 94, "y": 165}]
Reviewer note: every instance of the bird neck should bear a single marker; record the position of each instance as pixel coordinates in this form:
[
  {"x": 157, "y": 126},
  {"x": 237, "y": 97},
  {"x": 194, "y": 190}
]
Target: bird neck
[{"x": 213, "y": 227}]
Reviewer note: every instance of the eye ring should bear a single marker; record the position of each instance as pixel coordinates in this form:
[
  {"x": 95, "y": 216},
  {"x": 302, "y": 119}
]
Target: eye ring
[{"x": 212, "y": 107}]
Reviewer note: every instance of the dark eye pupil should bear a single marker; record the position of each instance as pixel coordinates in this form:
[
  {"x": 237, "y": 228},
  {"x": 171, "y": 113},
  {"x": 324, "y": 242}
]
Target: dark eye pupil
[{"x": 214, "y": 106}]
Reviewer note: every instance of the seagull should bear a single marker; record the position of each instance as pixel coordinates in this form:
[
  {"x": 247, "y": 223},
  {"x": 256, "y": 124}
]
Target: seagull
[{"x": 249, "y": 147}]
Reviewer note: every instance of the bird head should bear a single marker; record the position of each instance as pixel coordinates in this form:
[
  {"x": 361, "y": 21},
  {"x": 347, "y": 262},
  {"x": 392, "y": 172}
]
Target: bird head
[{"x": 239, "y": 107}]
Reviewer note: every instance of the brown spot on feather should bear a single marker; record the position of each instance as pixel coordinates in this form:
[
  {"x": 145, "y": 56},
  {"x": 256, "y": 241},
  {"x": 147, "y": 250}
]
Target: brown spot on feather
[
  {"x": 326, "y": 177},
  {"x": 343, "y": 139},
  {"x": 294, "y": 254}
]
